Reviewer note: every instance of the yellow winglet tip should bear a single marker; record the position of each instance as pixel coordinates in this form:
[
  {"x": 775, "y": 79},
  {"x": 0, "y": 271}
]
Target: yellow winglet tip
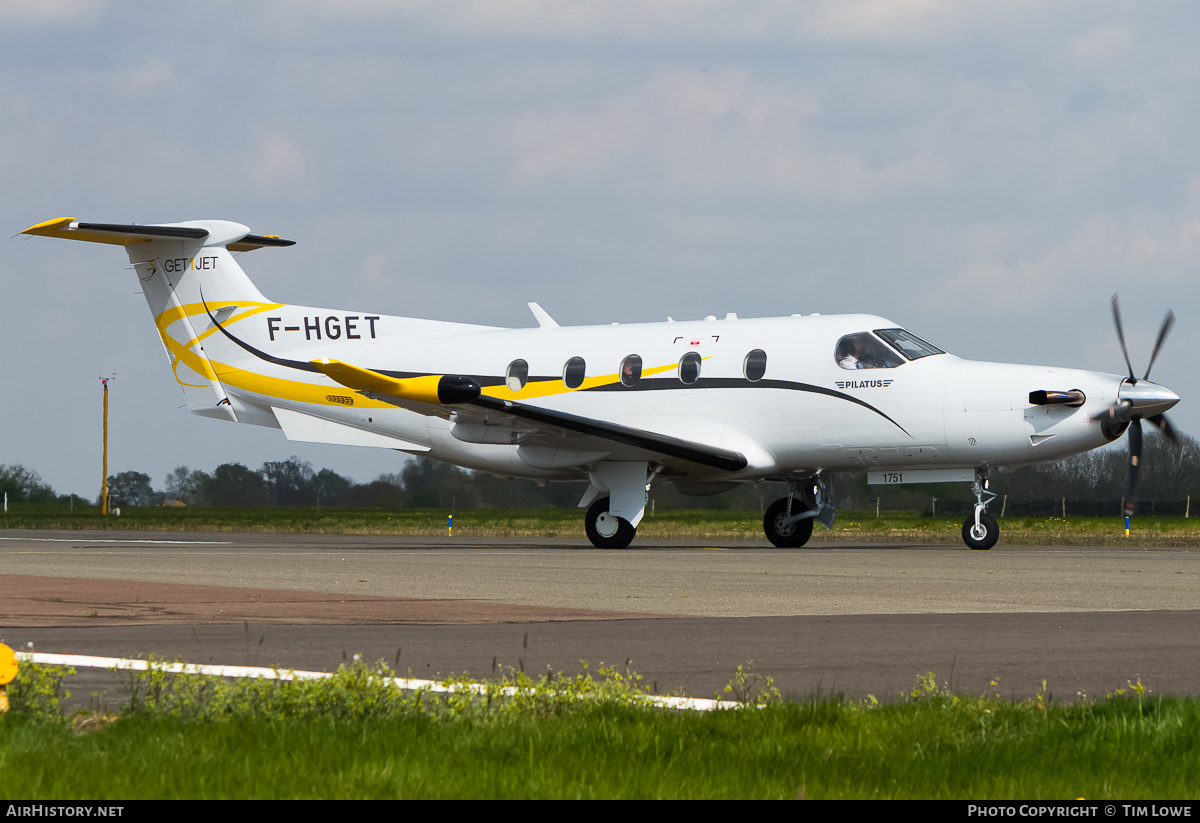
[{"x": 57, "y": 224}]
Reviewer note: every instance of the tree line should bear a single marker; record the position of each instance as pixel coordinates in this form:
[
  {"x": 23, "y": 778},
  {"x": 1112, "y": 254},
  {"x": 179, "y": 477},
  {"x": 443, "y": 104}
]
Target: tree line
[{"x": 1098, "y": 478}]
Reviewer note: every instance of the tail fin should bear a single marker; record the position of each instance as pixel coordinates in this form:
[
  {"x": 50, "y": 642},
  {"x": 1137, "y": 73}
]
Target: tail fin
[{"x": 187, "y": 272}]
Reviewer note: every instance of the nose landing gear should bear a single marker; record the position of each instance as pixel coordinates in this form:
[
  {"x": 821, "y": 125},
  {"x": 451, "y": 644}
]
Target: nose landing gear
[{"x": 980, "y": 531}]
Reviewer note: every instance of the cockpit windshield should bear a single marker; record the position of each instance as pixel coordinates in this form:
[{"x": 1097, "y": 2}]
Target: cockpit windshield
[
  {"x": 863, "y": 351},
  {"x": 907, "y": 343}
]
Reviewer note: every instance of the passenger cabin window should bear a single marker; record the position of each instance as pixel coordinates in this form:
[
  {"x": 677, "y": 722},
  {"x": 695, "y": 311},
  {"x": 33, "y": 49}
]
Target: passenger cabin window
[
  {"x": 755, "y": 365},
  {"x": 573, "y": 372},
  {"x": 517, "y": 375},
  {"x": 907, "y": 343},
  {"x": 863, "y": 351},
  {"x": 689, "y": 368},
  {"x": 631, "y": 370}
]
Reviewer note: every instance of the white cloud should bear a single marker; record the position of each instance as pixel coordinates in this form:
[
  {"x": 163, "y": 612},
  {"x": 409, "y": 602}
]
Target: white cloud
[
  {"x": 1100, "y": 48},
  {"x": 277, "y": 165},
  {"x": 880, "y": 21},
  {"x": 1105, "y": 253},
  {"x": 133, "y": 83},
  {"x": 837, "y": 21},
  {"x": 689, "y": 131},
  {"x": 43, "y": 12}
]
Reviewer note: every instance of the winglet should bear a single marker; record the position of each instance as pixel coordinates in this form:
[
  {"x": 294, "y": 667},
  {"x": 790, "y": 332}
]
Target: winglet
[
  {"x": 443, "y": 389},
  {"x": 543, "y": 317}
]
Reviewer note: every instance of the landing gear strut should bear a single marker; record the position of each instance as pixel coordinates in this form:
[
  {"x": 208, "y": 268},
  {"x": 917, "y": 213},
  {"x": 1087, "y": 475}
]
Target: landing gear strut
[{"x": 980, "y": 531}]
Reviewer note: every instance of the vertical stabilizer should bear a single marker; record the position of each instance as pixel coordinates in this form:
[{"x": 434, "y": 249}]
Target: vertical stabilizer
[{"x": 189, "y": 276}]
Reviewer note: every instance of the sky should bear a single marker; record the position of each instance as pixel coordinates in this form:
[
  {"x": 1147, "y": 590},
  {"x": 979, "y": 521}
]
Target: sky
[{"x": 985, "y": 174}]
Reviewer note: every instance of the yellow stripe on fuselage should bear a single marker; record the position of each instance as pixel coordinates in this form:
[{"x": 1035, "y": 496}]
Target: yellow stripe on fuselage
[{"x": 318, "y": 394}]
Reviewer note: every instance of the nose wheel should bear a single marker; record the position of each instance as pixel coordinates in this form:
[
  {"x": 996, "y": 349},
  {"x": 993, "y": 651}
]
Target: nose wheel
[{"x": 983, "y": 535}]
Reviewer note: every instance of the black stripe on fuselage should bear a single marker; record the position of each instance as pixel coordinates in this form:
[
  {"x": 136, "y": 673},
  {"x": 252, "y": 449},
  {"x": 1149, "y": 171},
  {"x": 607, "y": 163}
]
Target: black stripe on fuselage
[{"x": 649, "y": 384}]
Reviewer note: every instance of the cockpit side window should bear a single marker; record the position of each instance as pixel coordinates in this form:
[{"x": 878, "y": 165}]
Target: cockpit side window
[
  {"x": 907, "y": 343},
  {"x": 862, "y": 350}
]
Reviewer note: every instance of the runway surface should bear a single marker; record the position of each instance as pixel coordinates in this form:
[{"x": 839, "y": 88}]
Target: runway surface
[{"x": 847, "y": 619}]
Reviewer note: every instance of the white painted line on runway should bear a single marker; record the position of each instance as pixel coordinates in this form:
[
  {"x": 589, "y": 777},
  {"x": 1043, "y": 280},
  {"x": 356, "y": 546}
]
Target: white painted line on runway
[
  {"x": 259, "y": 673},
  {"x": 94, "y": 540}
]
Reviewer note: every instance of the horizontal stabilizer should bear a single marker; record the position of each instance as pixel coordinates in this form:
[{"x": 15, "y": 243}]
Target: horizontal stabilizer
[{"x": 119, "y": 234}]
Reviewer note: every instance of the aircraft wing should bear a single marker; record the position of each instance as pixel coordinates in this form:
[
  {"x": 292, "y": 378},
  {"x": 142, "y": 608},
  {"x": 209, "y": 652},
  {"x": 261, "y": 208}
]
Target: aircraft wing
[
  {"x": 678, "y": 448},
  {"x": 432, "y": 394}
]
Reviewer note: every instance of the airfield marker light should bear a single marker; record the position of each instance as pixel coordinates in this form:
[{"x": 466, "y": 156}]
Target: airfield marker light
[{"x": 104, "y": 459}]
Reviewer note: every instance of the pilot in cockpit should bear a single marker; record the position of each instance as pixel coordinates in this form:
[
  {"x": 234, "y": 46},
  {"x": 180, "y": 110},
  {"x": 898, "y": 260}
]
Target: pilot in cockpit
[{"x": 862, "y": 351}]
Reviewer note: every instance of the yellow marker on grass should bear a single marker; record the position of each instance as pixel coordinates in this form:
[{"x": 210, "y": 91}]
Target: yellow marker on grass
[{"x": 8, "y": 670}]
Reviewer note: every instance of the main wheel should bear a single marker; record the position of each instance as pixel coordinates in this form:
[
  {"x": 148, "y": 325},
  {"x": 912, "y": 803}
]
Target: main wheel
[
  {"x": 983, "y": 536},
  {"x": 791, "y": 536},
  {"x": 607, "y": 531}
]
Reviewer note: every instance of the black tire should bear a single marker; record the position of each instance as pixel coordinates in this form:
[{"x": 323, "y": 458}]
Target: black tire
[
  {"x": 981, "y": 542},
  {"x": 620, "y": 540},
  {"x": 792, "y": 536}
]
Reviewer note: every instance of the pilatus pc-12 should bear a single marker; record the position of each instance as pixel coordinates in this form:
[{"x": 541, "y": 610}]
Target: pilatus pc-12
[{"x": 704, "y": 405}]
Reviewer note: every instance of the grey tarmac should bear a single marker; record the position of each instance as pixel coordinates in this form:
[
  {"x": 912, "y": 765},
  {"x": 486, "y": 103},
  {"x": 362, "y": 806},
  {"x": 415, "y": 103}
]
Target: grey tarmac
[{"x": 848, "y": 619}]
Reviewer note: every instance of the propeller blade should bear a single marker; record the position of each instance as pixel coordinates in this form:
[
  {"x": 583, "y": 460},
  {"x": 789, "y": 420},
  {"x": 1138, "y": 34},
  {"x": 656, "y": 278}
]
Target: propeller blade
[
  {"x": 1121, "y": 335},
  {"x": 1135, "y": 458},
  {"x": 1164, "y": 425},
  {"x": 1168, "y": 322},
  {"x": 1116, "y": 414}
]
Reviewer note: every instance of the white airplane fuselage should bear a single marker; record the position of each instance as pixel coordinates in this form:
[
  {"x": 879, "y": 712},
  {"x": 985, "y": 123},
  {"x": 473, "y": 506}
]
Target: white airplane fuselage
[
  {"x": 704, "y": 404},
  {"x": 806, "y": 413}
]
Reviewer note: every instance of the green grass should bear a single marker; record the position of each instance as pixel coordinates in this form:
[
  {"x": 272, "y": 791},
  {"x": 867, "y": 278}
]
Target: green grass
[
  {"x": 690, "y": 525},
  {"x": 929, "y": 744}
]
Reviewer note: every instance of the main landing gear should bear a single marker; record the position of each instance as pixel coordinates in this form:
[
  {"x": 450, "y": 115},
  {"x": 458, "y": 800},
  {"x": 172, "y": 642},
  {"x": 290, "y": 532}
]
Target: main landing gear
[
  {"x": 786, "y": 529},
  {"x": 607, "y": 531},
  {"x": 980, "y": 531},
  {"x": 788, "y": 522},
  {"x": 616, "y": 501}
]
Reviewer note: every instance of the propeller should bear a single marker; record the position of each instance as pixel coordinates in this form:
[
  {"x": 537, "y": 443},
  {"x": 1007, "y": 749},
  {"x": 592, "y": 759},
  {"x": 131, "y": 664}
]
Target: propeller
[{"x": 1137, "y": 401}]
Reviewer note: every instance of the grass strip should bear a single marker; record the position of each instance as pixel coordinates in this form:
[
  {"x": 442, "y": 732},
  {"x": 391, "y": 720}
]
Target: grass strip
[
  {"x": 586, "y": 738},
  {"x": 975, "y": 749},
  {"x": 686, "y": 525}
]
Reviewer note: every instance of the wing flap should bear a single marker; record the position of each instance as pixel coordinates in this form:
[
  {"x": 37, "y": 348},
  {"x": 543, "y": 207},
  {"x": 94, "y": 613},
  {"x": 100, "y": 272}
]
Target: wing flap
[{"x": 310, "y": 429}]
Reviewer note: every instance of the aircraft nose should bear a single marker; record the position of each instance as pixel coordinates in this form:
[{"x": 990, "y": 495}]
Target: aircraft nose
[{"x": 1147, "y": 399}]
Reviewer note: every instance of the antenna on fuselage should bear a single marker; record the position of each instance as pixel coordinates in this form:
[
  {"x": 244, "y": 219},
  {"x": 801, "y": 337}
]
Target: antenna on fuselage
[{"x": 543, "y": 317}]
